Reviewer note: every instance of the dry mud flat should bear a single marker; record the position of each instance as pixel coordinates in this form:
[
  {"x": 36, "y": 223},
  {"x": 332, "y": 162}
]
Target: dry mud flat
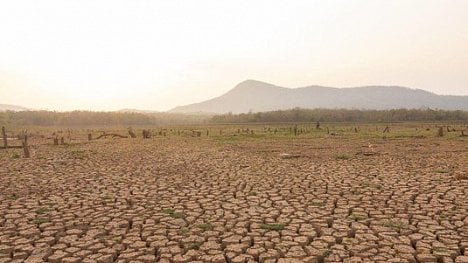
[{"x": 205, "y": 200}]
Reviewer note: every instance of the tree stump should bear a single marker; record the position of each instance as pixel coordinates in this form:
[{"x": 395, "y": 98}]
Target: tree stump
[
  {"x": 26, "y": 147},
  {"x": 132, "y": 134},
  {"x": 90, "y": 136},
  {"x": 56, "y": 141},
  {"x": 146, "y": 134},
  {"x": 440, "y": 132},
  {"x": 5, "y": 141}
]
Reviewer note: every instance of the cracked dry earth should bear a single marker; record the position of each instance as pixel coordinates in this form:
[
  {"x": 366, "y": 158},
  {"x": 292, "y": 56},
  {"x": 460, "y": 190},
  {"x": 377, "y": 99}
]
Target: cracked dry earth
[{"x": 199, "y": 200}]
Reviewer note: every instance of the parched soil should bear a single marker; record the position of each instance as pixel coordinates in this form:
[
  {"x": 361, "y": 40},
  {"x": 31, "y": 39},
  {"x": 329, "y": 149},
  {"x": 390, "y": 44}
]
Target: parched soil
[{"x": 174, "y": 199}]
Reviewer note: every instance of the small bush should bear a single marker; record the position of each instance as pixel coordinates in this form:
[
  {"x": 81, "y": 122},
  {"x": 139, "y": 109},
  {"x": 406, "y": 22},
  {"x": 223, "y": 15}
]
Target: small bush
[
  {"x": 342, "y": 156},
  {"x": 41, "y": 211},
  {"x": 40, "y": 220},
  {"x": 326, "y": 253},
  {"x": 272, "y": 227},
  {"x": 318, "y": 203},
  {"x": 183, "y": 231},
  {"x": 168, "y": 211},
  {"x": 172, "y": 213},
  {"x": 78, "y": 154},
  {"x": 177, "y": 215},
  {"x": 357, "y": 217},
  {"x": 395, "y": 224},
  {"x": 205, "y": 227},
  {"x": 192, "y": 245}
]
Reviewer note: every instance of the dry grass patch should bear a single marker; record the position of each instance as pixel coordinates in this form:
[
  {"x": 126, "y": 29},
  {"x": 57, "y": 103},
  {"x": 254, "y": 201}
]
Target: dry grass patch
[{"x": 272, "y": 227}]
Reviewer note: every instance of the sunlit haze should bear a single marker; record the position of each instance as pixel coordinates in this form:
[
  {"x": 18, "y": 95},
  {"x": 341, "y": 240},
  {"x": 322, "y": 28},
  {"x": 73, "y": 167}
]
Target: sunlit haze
[{"x": 155, "y": 55}]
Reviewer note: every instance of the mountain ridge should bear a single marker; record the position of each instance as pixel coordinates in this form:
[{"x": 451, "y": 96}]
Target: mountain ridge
[
  {"x": 257, "y": 96},
  {"x": 10, "y": 107}
]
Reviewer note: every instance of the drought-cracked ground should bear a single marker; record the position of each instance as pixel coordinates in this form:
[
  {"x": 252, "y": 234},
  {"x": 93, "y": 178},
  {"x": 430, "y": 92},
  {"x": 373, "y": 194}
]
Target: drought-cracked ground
[{"x": 174, "y": 199}]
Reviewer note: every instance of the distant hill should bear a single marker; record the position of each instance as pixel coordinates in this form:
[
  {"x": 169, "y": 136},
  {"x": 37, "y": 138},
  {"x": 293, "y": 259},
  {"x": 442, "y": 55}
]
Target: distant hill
[
  {"x": 257, "y": 96},
  {"x": 8, "y": 107},
  {"x": 136, "y": 111}
]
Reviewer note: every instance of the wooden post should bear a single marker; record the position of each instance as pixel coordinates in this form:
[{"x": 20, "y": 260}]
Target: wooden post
[
  {"x": 62, "y": 141},
  {"x": 26, "y": 147},
  {"x": 90, "y": 136},
  {"x": 55, "y": 141},
  {"x": 295, "y": 130},
  {"x": 5, "y": 142}
]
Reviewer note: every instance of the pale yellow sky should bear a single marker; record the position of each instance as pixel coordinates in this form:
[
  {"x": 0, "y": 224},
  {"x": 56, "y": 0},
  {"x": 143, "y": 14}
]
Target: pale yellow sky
[{"x": 148, "y": 54}]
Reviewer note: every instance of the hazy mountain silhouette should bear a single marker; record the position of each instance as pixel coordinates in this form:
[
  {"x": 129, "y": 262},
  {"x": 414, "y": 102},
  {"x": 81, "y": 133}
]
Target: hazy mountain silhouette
[
  {"x": 129, "y": 110},
  {"x": 257, "y": 96},
  {"x": 8, "y": 107}
]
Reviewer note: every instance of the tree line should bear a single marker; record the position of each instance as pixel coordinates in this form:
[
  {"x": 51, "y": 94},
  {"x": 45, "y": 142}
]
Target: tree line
[
  {"x": 91, "y": 118},
  {"x": 343, "y": 115}
]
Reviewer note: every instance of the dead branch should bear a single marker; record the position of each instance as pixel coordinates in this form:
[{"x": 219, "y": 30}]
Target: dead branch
[{"x": 113, "y": 135}]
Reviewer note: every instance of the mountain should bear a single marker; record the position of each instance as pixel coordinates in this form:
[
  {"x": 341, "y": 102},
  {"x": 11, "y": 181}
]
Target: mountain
[
  {"x": 8, "y": 107},
  {"x": 127, "y": 110},
  {"x": 257, "y": 96}
]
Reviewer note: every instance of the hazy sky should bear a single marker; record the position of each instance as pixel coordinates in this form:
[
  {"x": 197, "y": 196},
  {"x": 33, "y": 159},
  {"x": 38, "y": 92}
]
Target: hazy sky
[{"x": 107, "y": 55}]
